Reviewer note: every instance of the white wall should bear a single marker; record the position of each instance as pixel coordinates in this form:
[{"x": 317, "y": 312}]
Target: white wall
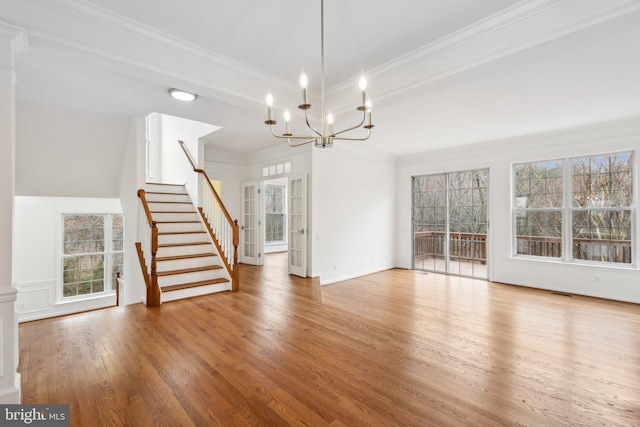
[
  {"x": 174, "y": 166},
  {"x": 38, "y": 231},
  {"x": 618, "y": 283},
  {"x": 354, "y": 213},
  {"x": 68, "y": 153},
  {"x": 132, "y": 178}
]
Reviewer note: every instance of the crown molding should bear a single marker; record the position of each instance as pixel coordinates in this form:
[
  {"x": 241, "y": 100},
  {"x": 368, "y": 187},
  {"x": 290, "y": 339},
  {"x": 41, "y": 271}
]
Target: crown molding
[
  {"x": 17, "y": 35},
  {"x": 527, "y": 24},
  {"x": 80, "y": 25}
]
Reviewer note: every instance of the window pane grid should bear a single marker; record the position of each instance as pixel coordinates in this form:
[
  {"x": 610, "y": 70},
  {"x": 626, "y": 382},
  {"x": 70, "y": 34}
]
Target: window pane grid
[
  {"x": 600, "y": 214},
  {"x": 92, "y": 246}
]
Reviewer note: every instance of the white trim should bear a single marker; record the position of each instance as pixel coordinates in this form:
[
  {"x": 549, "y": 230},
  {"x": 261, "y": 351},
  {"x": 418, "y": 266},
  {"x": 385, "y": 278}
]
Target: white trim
[{"x": 355, "y": 276}]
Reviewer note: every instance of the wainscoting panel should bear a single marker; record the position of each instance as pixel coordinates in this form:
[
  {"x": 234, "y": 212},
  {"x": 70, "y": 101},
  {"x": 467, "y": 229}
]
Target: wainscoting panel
[
  {"x": 34, "y": 298},
  {"x": 38, "y": 300}
]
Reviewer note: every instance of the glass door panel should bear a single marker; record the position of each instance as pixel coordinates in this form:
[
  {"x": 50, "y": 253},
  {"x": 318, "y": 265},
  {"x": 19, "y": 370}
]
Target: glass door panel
[{"x": 450, "y": 223}]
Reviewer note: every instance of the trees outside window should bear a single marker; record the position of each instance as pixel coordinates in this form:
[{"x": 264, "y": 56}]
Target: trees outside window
[
  {"x": 275, "y": 207},
  {"x": 575, "y": 209},
  {"x": 92, "y": 252}
]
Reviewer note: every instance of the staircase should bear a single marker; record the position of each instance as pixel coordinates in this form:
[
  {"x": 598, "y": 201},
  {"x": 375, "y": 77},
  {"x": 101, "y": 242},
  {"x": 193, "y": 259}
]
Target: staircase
[{"x": 188, "y": 263}]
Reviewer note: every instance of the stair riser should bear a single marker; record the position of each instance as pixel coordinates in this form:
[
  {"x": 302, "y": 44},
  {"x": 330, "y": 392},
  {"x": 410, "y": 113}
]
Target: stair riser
[
  {"x": 180, "y": 227},
  {"x": 182, "y": 238},
  {"x": 193, "y": 292},
  {"x": 152, "y": 197},
  {"x": 180, "y": 264},
  {"x": 165, "y": 188},
  {"x": 170, "y": 207},
  {"x": 185, "y": 250},
  {"x": 175, "y": 216},
  {"x": 177, "y": 279}
]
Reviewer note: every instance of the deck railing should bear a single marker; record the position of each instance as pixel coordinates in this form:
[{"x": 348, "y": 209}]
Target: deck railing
[{"x": 472, "y": 246}]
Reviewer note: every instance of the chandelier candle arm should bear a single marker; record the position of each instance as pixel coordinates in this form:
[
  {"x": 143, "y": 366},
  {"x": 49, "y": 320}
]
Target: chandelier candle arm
[{"x": 306, "y": 118}]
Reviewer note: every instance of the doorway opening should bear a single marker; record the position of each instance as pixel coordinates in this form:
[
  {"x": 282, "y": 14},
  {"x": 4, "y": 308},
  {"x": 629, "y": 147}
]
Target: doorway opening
[
  {"x": 274, "y": 219},
  {"x": 275, "y": 216}
]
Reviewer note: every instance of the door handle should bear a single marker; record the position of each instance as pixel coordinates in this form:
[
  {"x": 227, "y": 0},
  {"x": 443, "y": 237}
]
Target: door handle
[
  {"x": 242, "y": 227},
  {"x": 301, "y": 231}
]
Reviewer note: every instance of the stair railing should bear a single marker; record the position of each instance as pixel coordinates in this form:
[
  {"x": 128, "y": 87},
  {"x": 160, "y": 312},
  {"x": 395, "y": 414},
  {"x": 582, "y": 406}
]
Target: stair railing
[
  {"x": 223, "y": 230},
  {"x": 147, "y": 250}
]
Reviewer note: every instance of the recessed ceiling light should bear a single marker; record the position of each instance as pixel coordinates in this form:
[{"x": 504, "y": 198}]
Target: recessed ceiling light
[{"x": 182, "y": 95}]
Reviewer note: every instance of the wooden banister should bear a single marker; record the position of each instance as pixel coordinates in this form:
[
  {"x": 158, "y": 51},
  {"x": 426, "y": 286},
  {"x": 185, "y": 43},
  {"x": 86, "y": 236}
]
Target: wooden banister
[
  {"x": 231, "y": 262},
  {"x": 208, "y": 181},
  {"x": 151, "y": 280},
  {"x": 145, "y": 205}
]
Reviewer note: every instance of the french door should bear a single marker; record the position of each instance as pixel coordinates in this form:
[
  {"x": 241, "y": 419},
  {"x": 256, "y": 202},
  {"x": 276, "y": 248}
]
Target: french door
[
  {"x": 450, "y": 223},
  {"x": 298, "y": 226},
  {"x": 250, "y": 228}
]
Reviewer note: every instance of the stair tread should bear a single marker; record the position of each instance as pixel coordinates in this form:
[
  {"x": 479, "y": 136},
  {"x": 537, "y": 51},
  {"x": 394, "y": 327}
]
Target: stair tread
[
  {"x": 177, "y": 257},
  {"x": 170, "y": 202},
  {"x": 164, "y": 183},
  {"x": 166, "y": 245},
  {"x": 167, "y": 192},
  {"x": 176, "y": 222},
  {"x": 180, "y": 232},
  {"x": 175, "y": 212},
  {"x": 193, "y": 284},
  {"x": 189, "y": 270}
]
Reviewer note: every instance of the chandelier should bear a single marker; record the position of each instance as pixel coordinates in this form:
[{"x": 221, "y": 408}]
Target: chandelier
[{"x": 324, "y": 136}]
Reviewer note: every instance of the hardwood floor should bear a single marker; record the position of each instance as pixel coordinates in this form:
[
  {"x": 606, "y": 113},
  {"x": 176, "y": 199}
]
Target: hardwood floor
[{"x": 395, "y": 348}]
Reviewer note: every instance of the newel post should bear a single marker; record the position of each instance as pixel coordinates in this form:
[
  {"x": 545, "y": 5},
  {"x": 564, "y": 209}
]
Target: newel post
[
  {"x": 235, "y": 279},
  {"x": 153, "y": 291}
]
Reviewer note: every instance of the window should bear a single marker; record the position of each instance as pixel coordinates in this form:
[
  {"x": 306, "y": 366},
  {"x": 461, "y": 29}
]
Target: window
[
  {"x": 583, "y": 204},
  {"x": 277, "y": 169},
  {"x": 601, "y": 211},
  {"x": 92, "y": 253},
  {"x": 274, "y": 208},
  {"x": 538, "y": 208}
]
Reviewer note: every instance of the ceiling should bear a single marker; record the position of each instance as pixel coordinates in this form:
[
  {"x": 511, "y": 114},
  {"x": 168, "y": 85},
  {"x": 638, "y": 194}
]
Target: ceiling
[{"x": 441, "y": 73}]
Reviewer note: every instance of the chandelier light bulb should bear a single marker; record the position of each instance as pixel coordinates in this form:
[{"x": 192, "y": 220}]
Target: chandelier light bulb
[
  {"x": 362, "y": 83},
  {"x": 330, "y": 118},
  {"x": 269, "y": 100},
  {"x": 368, "y": 105},
  {"x": 304, "y": 81},
  {"x": 287, "y": 123}
]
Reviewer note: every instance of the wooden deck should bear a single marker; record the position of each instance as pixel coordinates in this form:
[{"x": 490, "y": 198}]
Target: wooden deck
[{"x": 395, "y": 348}]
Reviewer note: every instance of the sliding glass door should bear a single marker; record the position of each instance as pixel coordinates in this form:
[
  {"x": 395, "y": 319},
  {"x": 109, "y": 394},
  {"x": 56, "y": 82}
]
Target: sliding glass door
[{"x": 450, "y": 214}]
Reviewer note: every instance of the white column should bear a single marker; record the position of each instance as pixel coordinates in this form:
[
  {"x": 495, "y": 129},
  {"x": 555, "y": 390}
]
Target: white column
[{"x": 12, "y": 41}]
